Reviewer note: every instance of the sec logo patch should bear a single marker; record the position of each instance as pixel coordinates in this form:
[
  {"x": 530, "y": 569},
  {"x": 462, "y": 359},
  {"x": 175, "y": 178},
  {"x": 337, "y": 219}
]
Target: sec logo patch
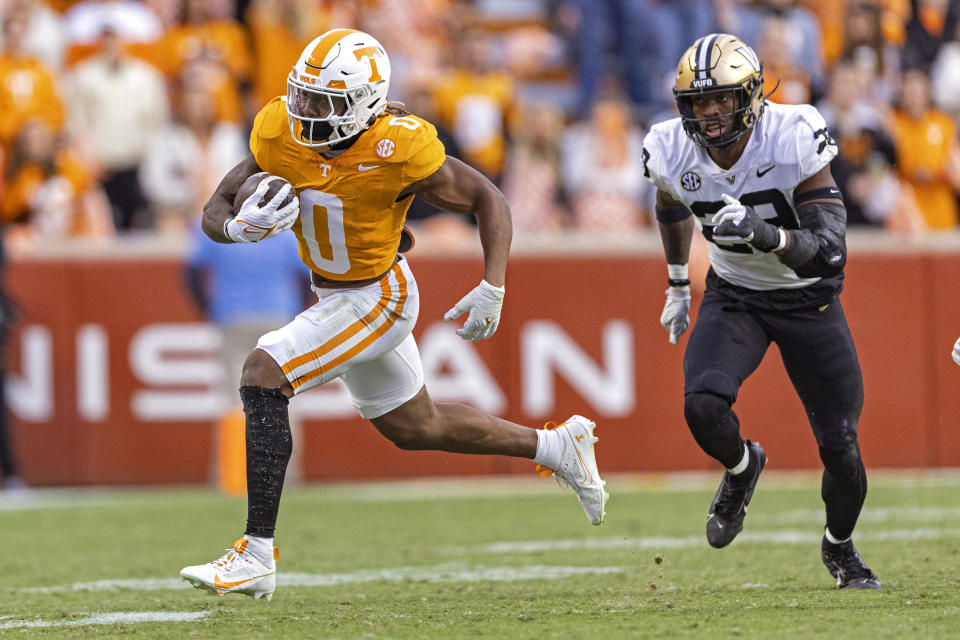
[
  {"x": 690, "y": 181},
  {"x": 385, "y": 148}
]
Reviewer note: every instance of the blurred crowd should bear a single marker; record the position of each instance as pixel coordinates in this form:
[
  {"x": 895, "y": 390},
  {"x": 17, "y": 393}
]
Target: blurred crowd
[{"x": 120, "y": 116}]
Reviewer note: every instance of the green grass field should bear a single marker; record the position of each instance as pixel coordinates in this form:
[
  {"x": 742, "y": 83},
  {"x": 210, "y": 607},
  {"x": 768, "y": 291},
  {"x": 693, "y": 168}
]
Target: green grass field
[{"x": 496, "y": 558}]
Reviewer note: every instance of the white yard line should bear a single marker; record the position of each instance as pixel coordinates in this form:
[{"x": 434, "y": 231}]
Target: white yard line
[
  {"x": 129, "y": 617},
  {"x": 458, "y": 572},
  {"x": 442, "y": 573},
  {"x": 431, "y": 574}
]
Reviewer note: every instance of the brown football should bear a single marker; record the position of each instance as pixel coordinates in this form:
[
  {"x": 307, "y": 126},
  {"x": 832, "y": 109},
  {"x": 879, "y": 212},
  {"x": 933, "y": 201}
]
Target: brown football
[{"x": 250, "y": 185}]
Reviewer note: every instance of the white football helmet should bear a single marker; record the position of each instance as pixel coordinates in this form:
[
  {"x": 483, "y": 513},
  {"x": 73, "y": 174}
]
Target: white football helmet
[{"x": 338, "y": 85}]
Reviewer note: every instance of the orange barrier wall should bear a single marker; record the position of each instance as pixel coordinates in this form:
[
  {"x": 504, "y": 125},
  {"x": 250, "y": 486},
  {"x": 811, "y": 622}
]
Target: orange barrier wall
[{"x": 110, "y": 371}]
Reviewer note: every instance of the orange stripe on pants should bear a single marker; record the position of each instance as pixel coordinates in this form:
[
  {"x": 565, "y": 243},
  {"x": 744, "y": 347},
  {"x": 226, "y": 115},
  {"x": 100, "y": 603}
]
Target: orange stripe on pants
[
  {"x": 347, "y": 333},
  {"x": 395, "y": 315}
]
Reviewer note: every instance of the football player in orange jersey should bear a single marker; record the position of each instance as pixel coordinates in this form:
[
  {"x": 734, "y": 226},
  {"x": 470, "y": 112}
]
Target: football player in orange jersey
[{"x": 356, "y": 162}]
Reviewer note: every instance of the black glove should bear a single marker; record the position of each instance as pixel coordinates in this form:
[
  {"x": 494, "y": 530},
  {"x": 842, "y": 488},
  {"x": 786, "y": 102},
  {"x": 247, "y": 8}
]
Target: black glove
[{"x": 744, "y": 222}]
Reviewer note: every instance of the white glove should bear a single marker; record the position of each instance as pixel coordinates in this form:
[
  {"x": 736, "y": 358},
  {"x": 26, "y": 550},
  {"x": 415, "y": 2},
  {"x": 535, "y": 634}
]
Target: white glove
[
  {"x": 674, "y": 317},
  {"x": 483, "y": 303},
  {"x": 734, "y": 213},
  {"x": 956, "y": 351},
  {"x": 254, "y": 223}
]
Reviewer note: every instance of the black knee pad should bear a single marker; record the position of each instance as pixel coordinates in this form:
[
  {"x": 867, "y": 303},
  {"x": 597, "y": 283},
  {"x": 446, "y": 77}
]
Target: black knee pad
[
  {"x": 843, "y": 463},
  {"x": 835, "y": 433},
  {"x": 708, "y": 399},
  {"x": 704, "y": 411}
]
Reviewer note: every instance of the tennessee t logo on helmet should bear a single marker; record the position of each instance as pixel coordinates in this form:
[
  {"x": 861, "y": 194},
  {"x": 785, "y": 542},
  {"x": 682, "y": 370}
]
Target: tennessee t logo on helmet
[{"x": 337, "y": 87}]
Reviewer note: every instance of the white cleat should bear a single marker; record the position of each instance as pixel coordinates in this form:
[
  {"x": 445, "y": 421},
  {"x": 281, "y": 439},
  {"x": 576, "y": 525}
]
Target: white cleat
[
  {"x": 237, "y": 571},
  {"x": 578, "y": 467}
]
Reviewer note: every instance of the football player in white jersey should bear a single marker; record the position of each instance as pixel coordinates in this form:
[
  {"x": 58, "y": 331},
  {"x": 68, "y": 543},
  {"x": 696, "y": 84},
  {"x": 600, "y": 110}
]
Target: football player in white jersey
[
  {"x": 356, "y": 161},
  {"x": 754, "y": 177}
]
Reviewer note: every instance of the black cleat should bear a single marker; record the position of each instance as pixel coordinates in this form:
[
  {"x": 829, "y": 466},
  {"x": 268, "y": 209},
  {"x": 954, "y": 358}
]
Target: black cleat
[
  {"x": 729, "y": 506},
  {"x": 845, "y": 564}
]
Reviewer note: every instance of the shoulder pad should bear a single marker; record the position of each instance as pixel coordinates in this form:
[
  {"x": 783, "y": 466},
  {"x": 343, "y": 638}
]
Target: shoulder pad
[
  {"x": 267, "y": 136},
  {"x": 660, "y": 145},
  {"x": 271, "y": 122},
  {"x": 397, "y": 138},
  {"x": 815, "y": 147}
]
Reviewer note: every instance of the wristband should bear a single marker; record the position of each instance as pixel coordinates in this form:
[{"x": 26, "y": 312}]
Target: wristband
[
  {"x": 225, "y": 223},
  {"x": 783, "y": 241},
  {"x": 677, "y": 272},
  {"x": 678, "y": 275}
]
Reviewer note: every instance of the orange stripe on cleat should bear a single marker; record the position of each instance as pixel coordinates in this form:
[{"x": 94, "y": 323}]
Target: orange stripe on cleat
[
  {"x": 543, "y": 471},
  {"x": 220, "y": 584}
]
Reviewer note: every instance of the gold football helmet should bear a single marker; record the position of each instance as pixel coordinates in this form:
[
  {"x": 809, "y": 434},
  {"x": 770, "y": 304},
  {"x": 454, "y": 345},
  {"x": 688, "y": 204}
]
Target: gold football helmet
[{"x": 715, "y": 63}]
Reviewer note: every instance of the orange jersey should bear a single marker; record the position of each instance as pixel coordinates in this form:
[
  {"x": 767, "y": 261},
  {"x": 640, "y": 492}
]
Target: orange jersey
[
  {"x": 923, "y": 151},
  {"x": 27, "y": 90},
  {"x": 75, "y": 179},
  {"x": 350, "y": 220},
  {"x": 475, "y": 108},
  {"x": 183, "y": 43}
]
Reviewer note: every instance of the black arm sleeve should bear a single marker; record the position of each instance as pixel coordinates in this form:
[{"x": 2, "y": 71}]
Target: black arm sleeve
[{"x": 818, "y": 249}]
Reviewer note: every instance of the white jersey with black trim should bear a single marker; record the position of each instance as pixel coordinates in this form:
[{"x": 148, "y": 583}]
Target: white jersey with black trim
[{"x": 789, "y": 144}]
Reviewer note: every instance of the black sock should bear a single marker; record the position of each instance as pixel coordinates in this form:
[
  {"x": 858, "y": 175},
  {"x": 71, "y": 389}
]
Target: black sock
[{"x": 269, "y": 445}]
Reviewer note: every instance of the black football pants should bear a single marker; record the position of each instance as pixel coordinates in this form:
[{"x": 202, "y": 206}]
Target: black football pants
[{"x": 727, "y": 344}]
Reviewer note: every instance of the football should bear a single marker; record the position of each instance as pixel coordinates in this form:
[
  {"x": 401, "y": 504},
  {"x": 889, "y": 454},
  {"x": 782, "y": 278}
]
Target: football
[{"x": 250, "y": 185}]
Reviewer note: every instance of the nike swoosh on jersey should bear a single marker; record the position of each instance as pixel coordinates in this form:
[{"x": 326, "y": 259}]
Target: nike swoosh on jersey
[
  {"x": 762, "y": 172},
  {"x": 217, "y": 582},
  {"x": 362, "y": 167}
]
